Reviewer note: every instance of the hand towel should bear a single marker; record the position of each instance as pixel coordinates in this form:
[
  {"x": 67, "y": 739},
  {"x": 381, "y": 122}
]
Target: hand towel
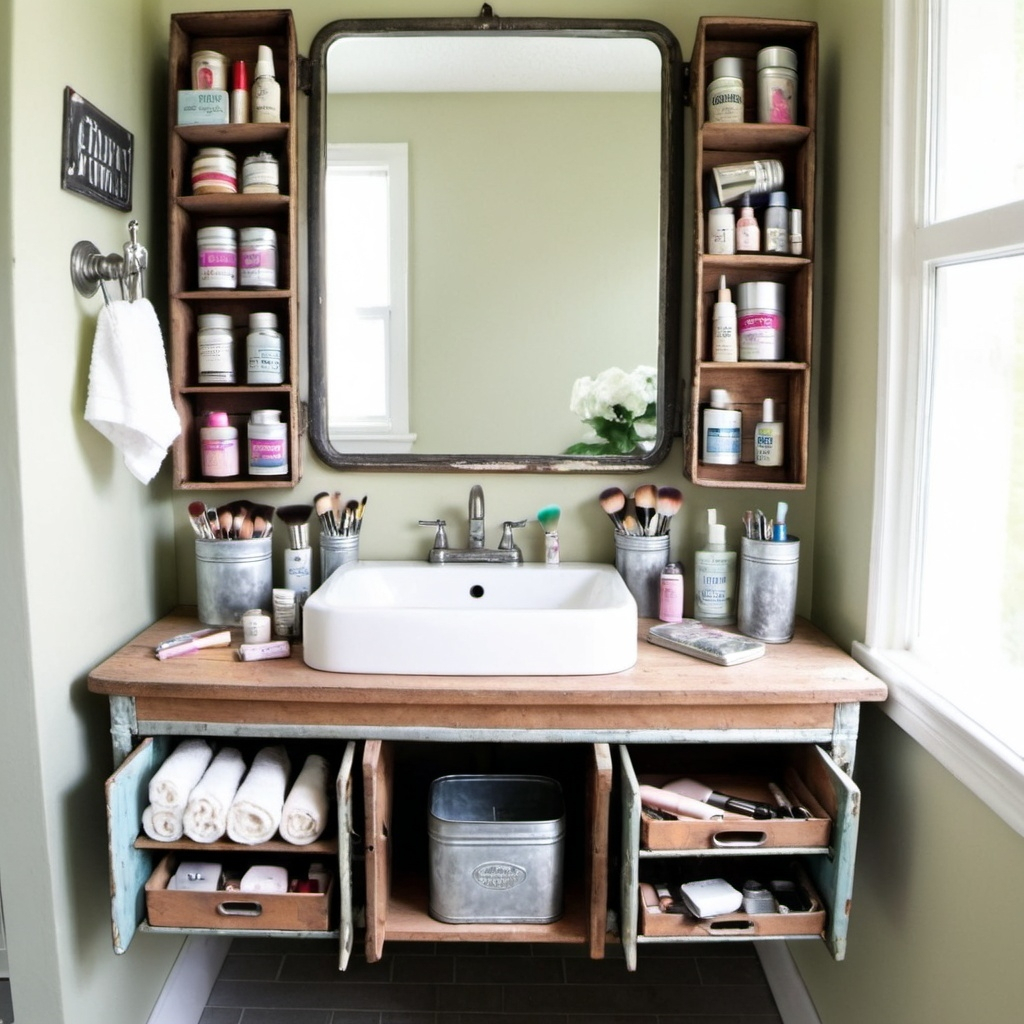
[
  {"x": 304, "y": 816},
  {"x": 129, "y": 399},
  {"x": 255, "y": 813},
  {"x": 206, "y": 815},
  {"x": 163, "y": 824},
  {"x": 174, "y": 779}
]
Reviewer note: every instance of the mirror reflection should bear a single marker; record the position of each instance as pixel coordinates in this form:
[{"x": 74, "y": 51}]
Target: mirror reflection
[{"x": 490, "y": 236}]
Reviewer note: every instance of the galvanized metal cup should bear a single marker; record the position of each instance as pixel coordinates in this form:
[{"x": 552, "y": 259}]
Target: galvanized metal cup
[
  {"x": 232, "y": 576},
  {"x": 640, "y": 561},
  {"x": 768, "y": 579},
  {"x": 335, "y": 551}
]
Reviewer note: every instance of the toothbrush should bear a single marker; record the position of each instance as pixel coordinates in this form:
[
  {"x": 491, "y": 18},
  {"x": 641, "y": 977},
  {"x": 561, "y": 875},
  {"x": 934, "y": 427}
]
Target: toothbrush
[
  {"x": 780, "y": 532},
  {"x": 548, "y": 518}
]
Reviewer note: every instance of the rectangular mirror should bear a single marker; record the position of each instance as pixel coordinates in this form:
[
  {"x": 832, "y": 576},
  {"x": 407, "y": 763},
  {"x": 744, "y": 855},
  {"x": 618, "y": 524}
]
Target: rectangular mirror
[{"x": 494, "y": 219}]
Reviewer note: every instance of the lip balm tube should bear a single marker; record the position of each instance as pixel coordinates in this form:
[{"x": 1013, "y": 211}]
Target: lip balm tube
[{"x": 264, "y": 652}]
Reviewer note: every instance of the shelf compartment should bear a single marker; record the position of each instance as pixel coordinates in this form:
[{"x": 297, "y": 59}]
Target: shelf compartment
[{"x": 396, "y": 779}]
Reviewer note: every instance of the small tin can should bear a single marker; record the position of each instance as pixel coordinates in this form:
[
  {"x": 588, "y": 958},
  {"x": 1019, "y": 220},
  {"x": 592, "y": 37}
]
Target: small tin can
[
  {"x": 260, "y": 173},
  {"x": 258, "y": 258},
  {"x": 725, "y": 91},
  {"x": 761, "y": 320},
  {"x": 214, "y": 171},
  {"x": 216, "y": 348},
  {"x": 218, "y": 257},
  {"x": 776, "y": 85},
  {"x": 209, "y": 70}
]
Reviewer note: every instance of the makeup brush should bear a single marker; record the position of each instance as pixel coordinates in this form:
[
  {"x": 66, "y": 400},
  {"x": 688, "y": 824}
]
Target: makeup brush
[
  {"x": 226, "y": 519},
  {"x": 670, "y": 501},
  {"x": 325, "y": 513},
  {"x": 359, "y": 514},
  {"x": 548, "y": 518},
  {"x": 613, "y": 501},
  {"x": 197, "y": 520},
  {"x": 336, "y": 509},
  {"x": 645, "y": 498}
]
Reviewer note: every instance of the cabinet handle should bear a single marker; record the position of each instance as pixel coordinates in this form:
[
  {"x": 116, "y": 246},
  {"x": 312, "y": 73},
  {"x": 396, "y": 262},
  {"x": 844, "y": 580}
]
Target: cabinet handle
[
  {"x": 730, "y": 926},
  {"x": 240, "y": 908},
  {"x": 739, "y": 839}
]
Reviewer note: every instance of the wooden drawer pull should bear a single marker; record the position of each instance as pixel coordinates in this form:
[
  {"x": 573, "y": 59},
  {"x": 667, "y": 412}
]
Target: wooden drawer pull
[
  {"x": 240, "y": 908},
  {"x": 739, "y": 838}
]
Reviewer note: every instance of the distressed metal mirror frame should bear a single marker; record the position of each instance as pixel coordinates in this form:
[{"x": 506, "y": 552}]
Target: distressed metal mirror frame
[{"x": 669, "y": 270}]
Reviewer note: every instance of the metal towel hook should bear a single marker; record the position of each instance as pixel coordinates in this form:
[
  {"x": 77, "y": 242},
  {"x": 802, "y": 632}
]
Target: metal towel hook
[{"x": 91, "y": 269}]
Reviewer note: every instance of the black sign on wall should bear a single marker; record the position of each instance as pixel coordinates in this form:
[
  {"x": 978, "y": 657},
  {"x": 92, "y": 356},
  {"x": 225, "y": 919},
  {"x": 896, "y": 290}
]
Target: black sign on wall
[{"x": 97, "y": 154}]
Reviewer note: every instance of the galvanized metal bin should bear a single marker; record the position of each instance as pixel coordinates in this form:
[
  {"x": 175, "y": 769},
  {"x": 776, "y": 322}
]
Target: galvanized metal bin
[{"x": 496, "y": 849}]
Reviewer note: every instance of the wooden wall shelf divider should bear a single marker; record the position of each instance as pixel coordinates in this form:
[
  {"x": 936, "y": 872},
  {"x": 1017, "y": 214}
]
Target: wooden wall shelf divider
[
  {"x": 787, "y": 382},
  {"x": 238, "y": 35}
]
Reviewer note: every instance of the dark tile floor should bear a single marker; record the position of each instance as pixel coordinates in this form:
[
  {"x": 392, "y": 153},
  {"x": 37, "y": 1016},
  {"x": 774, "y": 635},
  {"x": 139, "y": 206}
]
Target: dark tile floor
[{"x": 270, "y": 981}]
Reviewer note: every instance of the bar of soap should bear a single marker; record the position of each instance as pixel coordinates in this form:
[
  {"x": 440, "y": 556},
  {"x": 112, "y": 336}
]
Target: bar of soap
[{"x": 265, "y": 878}]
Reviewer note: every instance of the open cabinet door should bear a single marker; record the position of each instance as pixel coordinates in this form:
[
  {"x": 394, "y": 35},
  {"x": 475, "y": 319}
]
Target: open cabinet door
[
  {"x": 599, "y": 788},
  {"x": 346, "y": 829},
  {"x": 378, "y": 782},
  {"x": 127, "y": 793}
]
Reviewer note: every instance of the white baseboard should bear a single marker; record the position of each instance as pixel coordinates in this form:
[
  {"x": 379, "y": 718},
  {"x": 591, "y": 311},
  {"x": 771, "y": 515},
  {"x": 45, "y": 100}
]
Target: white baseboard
[
  {"x": 788, "y": 989},
  {"x": 190, "y": 982}
]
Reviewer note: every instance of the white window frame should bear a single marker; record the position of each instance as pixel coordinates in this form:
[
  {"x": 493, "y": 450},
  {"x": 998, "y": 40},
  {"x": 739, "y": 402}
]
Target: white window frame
[
  {"x": 912, "y": 248},
  {"x": 391, "y": 434}
]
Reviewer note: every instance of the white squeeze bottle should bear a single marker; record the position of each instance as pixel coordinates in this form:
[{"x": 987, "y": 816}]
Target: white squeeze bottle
[
  {"x": 724, "y": 344},
  {"x": 714, "y": 578},
  {"x": 266, "y": 91}
]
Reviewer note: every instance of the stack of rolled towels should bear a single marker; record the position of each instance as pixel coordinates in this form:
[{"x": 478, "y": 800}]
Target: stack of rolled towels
[{"x": 204, "y": 796}]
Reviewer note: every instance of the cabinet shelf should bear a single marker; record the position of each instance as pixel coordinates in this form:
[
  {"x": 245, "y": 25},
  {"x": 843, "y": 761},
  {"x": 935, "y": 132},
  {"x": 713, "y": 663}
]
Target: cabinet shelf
[
  {"x": 788, "y": 381},
  {"x": 325, "y": 847},
  {"x": 238, "y": 35}
]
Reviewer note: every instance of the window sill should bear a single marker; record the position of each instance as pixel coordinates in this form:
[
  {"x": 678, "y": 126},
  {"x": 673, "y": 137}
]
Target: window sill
[
  {"x": 989, "y": 768},
  {"x": 376, "y": 444}
]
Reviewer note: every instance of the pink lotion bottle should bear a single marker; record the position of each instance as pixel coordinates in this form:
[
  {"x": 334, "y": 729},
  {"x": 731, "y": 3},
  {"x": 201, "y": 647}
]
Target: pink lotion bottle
[
  {"x": 670, "y": 593},
  {"x": 748, "y": 232}
]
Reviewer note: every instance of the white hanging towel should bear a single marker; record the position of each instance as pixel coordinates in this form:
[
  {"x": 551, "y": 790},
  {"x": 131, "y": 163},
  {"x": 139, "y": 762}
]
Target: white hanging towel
[{"x": 129, "y": 399}]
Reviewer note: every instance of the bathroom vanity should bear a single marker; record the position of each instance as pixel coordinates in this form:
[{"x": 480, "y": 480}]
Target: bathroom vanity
[{"x": 791, "y": 715}]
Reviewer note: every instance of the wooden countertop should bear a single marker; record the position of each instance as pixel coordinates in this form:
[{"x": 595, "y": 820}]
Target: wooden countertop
[{"x": 798, "y": 683}]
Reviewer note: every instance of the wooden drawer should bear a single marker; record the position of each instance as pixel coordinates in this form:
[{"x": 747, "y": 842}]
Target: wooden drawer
[
  {"x": 809, "y": 923},
  {"x": 802, "y": 775},
  {"x": 139, "y": 867},
  {"x": 294, "y": 912}
]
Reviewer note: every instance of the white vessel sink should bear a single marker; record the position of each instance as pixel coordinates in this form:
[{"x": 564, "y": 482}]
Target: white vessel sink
[{"x": 413, "y": 618}]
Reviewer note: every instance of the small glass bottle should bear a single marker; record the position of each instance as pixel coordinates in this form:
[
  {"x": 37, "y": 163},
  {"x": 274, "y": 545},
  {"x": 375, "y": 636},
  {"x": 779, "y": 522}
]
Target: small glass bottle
[
  {"x": 748, "y": 233},
  {"x": 670, "y": 594},
  {"x": 776, "y": 224},
  {"x": 769, "y": 437}
]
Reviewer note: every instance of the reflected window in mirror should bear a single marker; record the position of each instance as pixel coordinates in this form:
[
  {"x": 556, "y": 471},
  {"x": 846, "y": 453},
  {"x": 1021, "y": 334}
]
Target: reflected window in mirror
[{"x": 366, "y": 211}]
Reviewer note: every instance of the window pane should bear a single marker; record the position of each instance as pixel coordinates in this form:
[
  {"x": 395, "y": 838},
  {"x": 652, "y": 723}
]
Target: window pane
[
  {"x": 979, "y": 84},
  {"x": 356, "y": 208},
  {"x": 972, "y": 557},
  {"x": 357, "y": 370}
]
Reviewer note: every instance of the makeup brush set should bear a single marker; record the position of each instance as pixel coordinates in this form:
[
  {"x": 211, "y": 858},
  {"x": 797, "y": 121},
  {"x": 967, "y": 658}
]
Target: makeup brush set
[
  {"x": 237, "y": 520},
  {"x": 338, "y": 518},
  {"x": 647, "y": 512}
]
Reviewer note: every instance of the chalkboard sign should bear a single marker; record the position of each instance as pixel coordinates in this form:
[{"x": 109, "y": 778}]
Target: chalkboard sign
[{"x": 97, "y": 154}]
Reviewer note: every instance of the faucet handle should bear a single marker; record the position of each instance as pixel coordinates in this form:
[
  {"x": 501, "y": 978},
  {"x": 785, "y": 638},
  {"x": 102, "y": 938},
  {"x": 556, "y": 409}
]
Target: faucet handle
[
  {"x": 507, "y": 542},
  {"x": 441, "y": 537}
]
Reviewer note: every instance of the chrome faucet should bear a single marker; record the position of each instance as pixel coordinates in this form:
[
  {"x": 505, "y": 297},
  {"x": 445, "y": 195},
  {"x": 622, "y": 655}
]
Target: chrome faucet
[{"x": 507, "y": 552}]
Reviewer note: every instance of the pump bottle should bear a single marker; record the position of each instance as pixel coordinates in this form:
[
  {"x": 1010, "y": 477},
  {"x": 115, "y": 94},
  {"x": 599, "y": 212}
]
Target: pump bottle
[
  {"x": 714, "y": 578},
  {"x": 724, "y": 344},
  {"x": 266, "y": 91}
]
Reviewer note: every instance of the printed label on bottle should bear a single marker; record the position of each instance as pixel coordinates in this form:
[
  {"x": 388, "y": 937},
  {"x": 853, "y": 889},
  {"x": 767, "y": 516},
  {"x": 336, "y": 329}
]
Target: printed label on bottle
[
  {"x": 713, "y": 585},
  {"x": 723, "y": 441},
  {"x": 267, "y": 453},
  {"x": 760, "y": 335}
]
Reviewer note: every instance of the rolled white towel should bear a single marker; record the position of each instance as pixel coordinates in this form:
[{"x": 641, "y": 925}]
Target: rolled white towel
[
  {"x": 255, "y": 813},
  {"x": 304, "y": 816},
  {"x": 175, "y": 778},
  {"x": 206, "y": 815},
  {"x": 163, "y": 824}
]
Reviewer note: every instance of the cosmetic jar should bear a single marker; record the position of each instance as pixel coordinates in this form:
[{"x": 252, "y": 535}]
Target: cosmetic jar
[
  {"x": 209, "y": 70},
  {"x": 761, "y": 320},
  {"x": 264, "y": 350},
  {"x": 258, "y": 258},
  {"x": 216, "y": 348},
  {"x": 255, "y": 626},
  {"x": 218, "y": 257},
  {"x": 725, "y": 91},
  {"x": 218, "y": 446},
  {"x": 268, "y": 443},
  {"x": 260, "y": 174},
  {"x": 722, "y": 231},
  {"x": 776, "y": 85},
  {"x": 214, "y": 171}
]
